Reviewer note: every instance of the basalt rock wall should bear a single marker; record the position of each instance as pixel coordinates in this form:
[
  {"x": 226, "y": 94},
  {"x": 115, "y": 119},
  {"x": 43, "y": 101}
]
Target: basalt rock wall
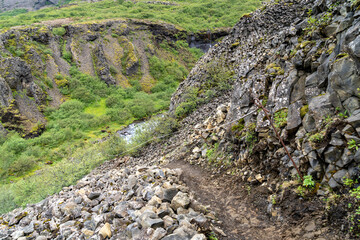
[{"x": 301, "y": 60}]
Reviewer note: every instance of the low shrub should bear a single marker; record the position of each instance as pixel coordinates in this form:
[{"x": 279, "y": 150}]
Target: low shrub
[
  {"x": 120, "y": 116},
  {"x": 59, "y": 31},
  {"x": 188, "y": 103}
]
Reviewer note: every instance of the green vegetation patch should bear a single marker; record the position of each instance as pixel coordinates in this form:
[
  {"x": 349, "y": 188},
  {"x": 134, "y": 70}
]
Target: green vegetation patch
[
  {"x": 60, "y": 31},
  {"x": 280, "y": 118},
  {"x": 188, "y": 104},
  {"x": 191, "y": 15}
]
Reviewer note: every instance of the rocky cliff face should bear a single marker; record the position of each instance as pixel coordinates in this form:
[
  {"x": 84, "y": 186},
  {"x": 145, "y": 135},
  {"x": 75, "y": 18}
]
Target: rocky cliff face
[
  {"x": 35, "y": 62},
  {"x": 301, "y": 59}
]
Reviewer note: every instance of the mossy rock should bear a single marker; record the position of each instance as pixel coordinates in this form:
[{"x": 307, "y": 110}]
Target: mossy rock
[
  {"x": 239, "y": 126},
  {"x": 304, "y": 110},
  {"x": 341, "y": 56},
  {"x": 235, "y": 44}
]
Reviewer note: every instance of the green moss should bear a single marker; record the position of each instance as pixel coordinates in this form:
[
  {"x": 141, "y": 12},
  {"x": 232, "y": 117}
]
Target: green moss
[
  {"x": 293, "y": 52},
  {"x": 129, "y": 58},
  {"x": 277, "y": 68},
  {"x": 317, "y": 137},
  {"x": 186, "y": 14},
  {"x": 250, "y": 136},
  {"x": 306, "y": 43},
  {"x": 341, "y": 56},
  {"x": 61, "y": 81},
  {"x": 234, "y": 45},
  {"x": 280, "y": 118},
  {"x": 304, "y": 110},
  {"x": 239, "y": 126},
  {"x": 60, "y": 31}
]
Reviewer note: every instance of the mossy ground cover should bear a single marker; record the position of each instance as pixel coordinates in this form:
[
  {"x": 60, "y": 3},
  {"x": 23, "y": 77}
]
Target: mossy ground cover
[{"x": 192, "y": 15}]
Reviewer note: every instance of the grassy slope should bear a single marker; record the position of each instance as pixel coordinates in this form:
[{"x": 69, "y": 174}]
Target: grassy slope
[{"x": 192, "y": 15}]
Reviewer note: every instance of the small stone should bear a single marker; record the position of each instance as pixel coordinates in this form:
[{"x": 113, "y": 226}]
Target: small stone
[
  {"x": 52, "y": 225},
  {"x": 336, "y": 142},
  {"x": 78, "y": 200},
  {"x": 221, "y": 232},
  {"x": 338, "y": 176},
  {"x": 196, "y": 150},
  {"x": 168, "y": 221},
  {"x": 204, "y": 152},
  {"x": 309, "y": 235},
  {"x": 180, "y": 200},
  {"x": 158, "y": 234},
  {"x": 354, "y": 120},
  {"x": 87, "y": 232},
  {"x": 214, "y": 138},
  {"x": 164, "y": 210},
  {"x": 132, "y": 181},
  {"x": 90, "y": 225},
  {"x": 199, "y": 237},
  {"x": 183, "y": 211},
  {"x": 332, "y": 155},
  {"x": 259, "y": 178},
  {"x": 152, "y": 223},
  {"x": 72, "y": 209},
  {"x": 17, "y": 234},
  {"x": 175, "y": 236},
  {"x": 205, "y": 135},
  {"x": 169, "y": 194},
  {"x": 93, "y": 195},
  {"x": 297, "y": 231},
  {"x": 105, "y": 231},
  {"x": 154, "y": 201},
  {"x": 41, "y": 238},
  {"x": 29, "y": 229},
  {"x": 220, "y": 116},
  {"x": 310, "y": 227}
]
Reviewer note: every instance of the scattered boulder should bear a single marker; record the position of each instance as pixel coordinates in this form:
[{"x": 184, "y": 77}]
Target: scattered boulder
[
  {"x": 180, "y": 200},
  {"x": 105, "y": 231}
]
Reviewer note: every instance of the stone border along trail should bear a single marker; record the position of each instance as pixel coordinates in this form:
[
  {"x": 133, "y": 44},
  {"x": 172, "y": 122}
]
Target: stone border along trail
[{"x": 135, "y": 202}]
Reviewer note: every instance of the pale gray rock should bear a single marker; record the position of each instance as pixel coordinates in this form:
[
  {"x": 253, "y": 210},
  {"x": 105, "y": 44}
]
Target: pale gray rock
[{"x": 180, "y": 200}]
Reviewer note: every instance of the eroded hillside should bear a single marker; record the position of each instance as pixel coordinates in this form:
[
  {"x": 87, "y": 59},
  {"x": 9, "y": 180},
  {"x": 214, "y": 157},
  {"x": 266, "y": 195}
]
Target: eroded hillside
[{"x": 35, "y": 63}]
